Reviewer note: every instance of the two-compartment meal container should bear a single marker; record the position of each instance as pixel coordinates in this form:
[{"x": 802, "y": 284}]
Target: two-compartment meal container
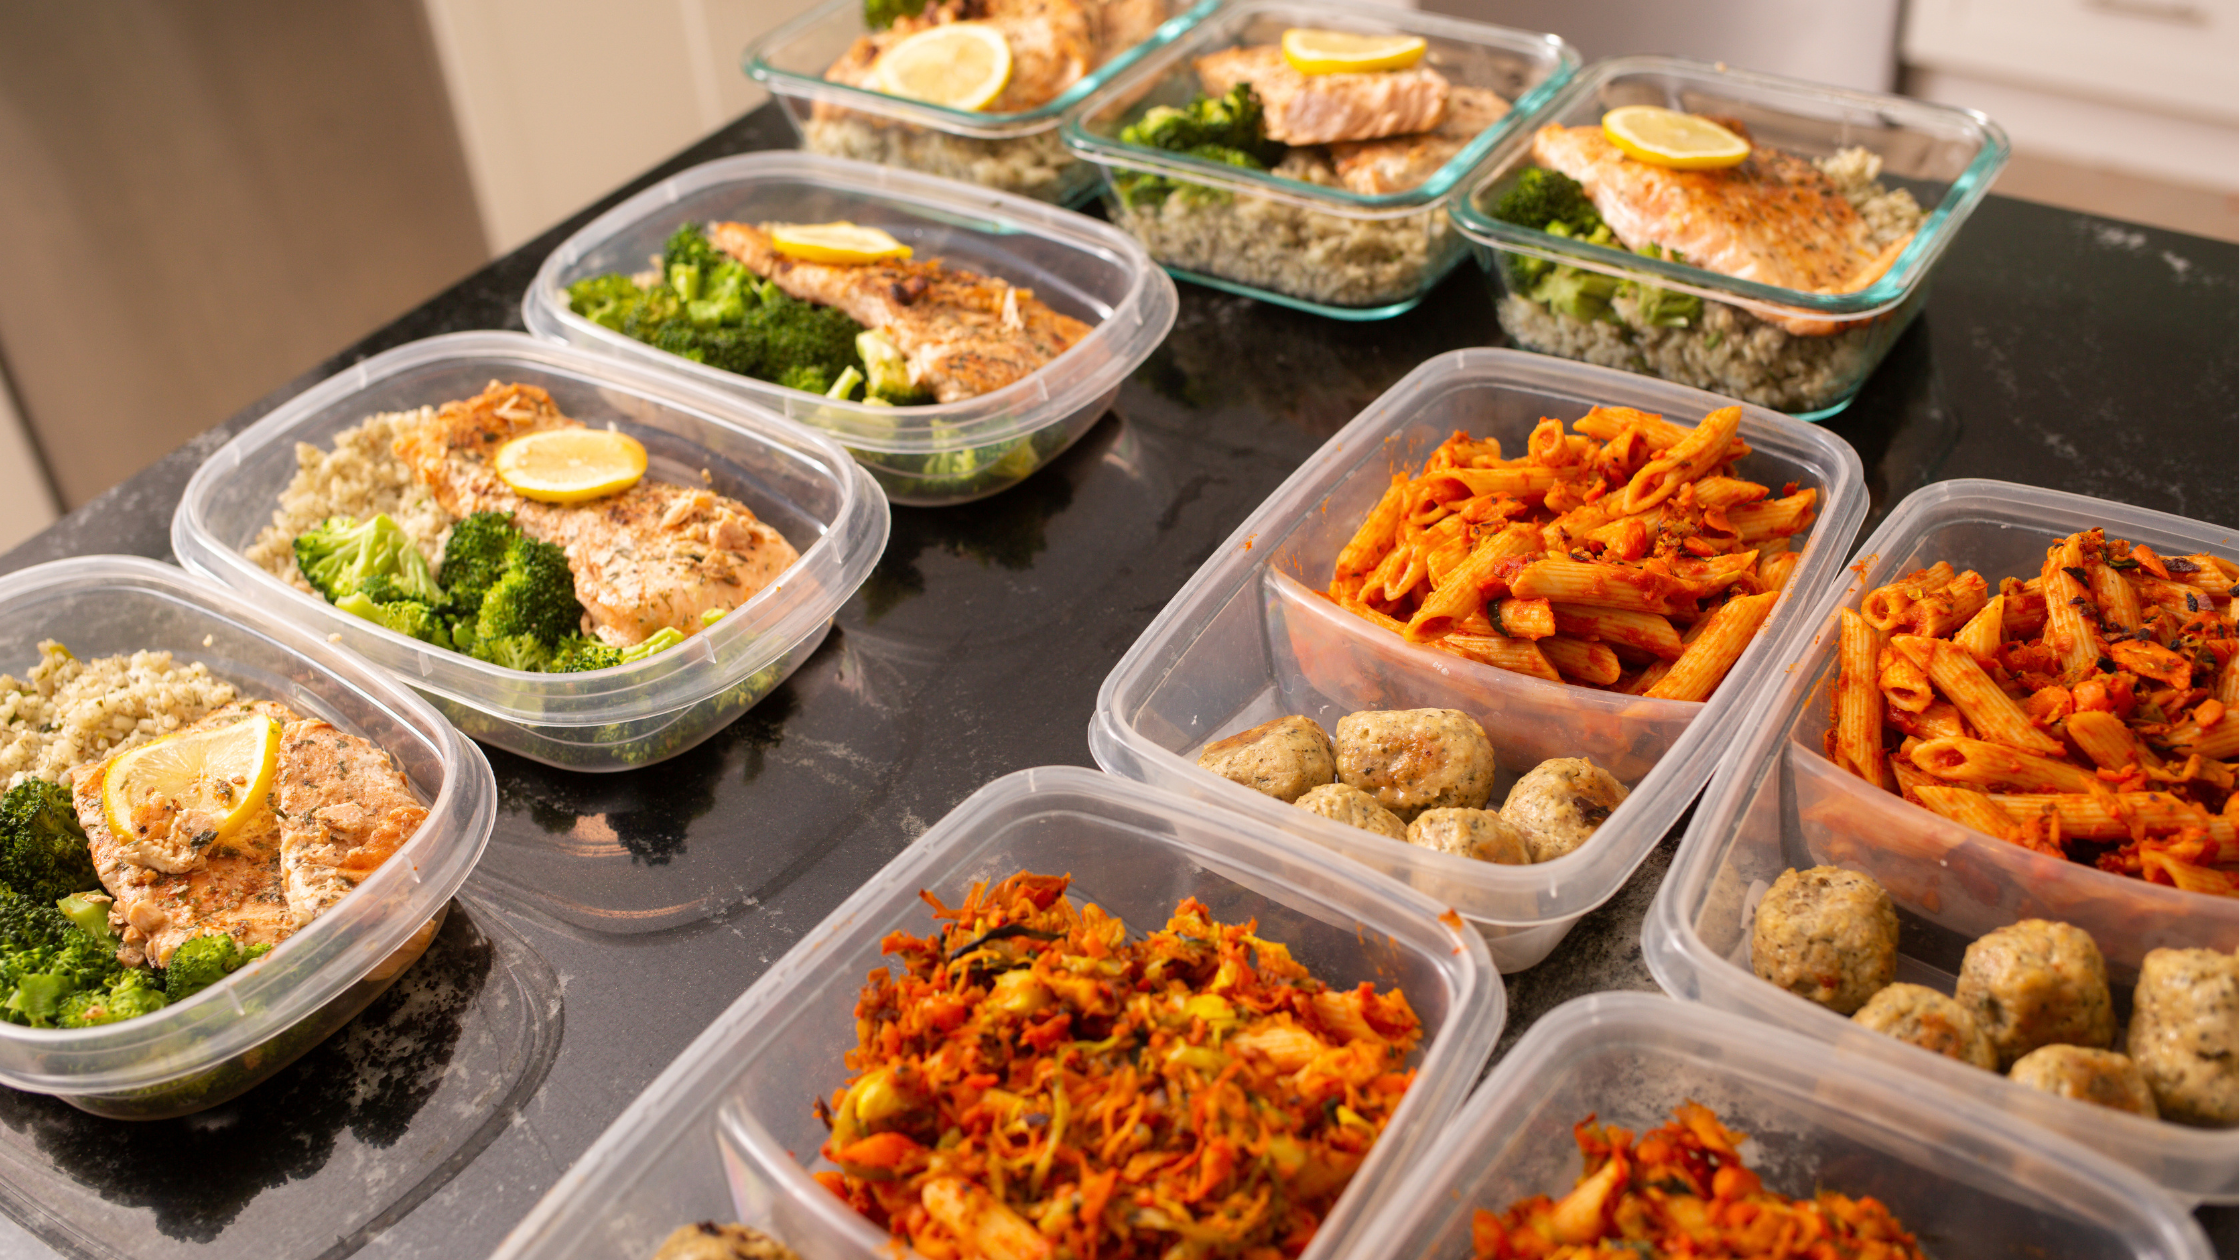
[
  {"x": 798, "y": 481},
  {"x": 930, "y": 455},
  {"x": 727, "y": 1132},
  {"x": 1018, "y": 152},
  {"x": 1957, "y": 1174},
  {"x": 1315, "y": 247},
  {"x": 1251, "y": 638},
  {"x": 1803, "y": 353},
  {"x": 1779, "y": 802},
  {"x": 234, "y": 1035}
]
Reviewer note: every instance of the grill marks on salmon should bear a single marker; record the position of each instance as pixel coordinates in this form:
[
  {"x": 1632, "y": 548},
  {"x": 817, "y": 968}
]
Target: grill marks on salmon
[
  {"x": 1399, "y": 163},
  {"x": 1053, "y": 44},
  {"x": 1324, "y": 108},
  {"x": 654, "y": 556},
  {"x": 963, "y": 334}
]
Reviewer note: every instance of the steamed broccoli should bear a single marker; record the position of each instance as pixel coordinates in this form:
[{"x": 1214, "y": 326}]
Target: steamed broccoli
[
  {"x": 340, "y": 555},
  {"x": 407, "y": 617},
  {"x": 878, "y": 15},
  {"x": 1541, "y": 197},
  {"x": 513, "y": 651},
  {"x": 44, "y": 958},
  {"x": 1228, "y": 129},
  {"x": 535, "y": 595},
  {"x": 577, "y": 654},
  {"x": 886, "y": 372},
  {"x": 130, "y": 995},
  {"x": 1662, "y": 308},
  {"x": 202, "y": 961},
  {"x": 43, "y": 853},
  {"x": 473, "y": 557}
]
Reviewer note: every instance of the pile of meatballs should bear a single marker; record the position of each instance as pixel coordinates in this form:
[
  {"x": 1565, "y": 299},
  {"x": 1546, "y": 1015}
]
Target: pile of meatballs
[
  {"x": 2032, "y": 1000},
  {"x": 1424, "y": 776}
]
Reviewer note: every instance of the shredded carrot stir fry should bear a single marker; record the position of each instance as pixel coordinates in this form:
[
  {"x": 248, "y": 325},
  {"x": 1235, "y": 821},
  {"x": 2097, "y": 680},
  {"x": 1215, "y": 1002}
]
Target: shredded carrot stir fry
[
  {"x": 1682, "y": 1190},
  {"x": 1033, "y": 1085}
]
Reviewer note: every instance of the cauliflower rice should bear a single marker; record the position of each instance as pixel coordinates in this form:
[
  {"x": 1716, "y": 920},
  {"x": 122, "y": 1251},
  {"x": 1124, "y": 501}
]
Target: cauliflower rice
[
  {"x": 69, "y": 712},
  {"x": 360, "y": 478},
  {"x": 1037, "y": 165}
]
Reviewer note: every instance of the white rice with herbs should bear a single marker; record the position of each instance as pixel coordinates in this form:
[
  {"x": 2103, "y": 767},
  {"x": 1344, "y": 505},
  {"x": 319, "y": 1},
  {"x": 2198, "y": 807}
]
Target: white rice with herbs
[
  {"x": 1037, "y": 165},
  {"x": 360, "y": 477},
  {"x": 68, "y": 712}
]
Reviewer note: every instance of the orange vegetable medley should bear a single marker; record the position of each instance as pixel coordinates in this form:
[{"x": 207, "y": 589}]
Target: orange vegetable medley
[
  {"x": 2086, "y": 713},
  {"x": 1683, "y": 1191},
  {"x": 1034, "y": 1085},
  {"x": 1626, "y": 556}
]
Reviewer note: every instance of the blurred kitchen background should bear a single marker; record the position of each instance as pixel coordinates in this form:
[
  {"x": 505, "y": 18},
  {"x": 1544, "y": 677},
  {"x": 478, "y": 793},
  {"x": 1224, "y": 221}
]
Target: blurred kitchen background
[{"x": 198, "y": 201}]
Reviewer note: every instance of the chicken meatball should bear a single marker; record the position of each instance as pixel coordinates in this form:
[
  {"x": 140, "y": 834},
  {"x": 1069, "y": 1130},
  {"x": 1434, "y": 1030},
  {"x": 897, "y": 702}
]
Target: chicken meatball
[
  {"x": 1282, "y": 758},
  {"x": 710, "y": 1241},
  {"x": 2100, "y": 1077},
  {"x": 1921, "y": 1016},
  {"x": 1828, "y": 935},
  {"x": 2037, "y": 983},
  {"x": 1559, "y": 803},
  {"x": 1470, "y": 833},
  {"x": 1355, "y": 808},
  {"x": 2185, "y": 1019},
  {"x": 1412, "y": 760}
]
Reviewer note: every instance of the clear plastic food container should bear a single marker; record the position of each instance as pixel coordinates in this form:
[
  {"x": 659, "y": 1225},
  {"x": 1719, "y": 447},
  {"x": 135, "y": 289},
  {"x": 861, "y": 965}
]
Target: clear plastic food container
[
  {"x": 727, "y": 1131},
  {"x": 1019, "y": 152},
  {"x": 1316, "y": 247},
  {"x": 931, "y": 455},
  {"x": 1957, "y": 1174},
  {"x": 1803, "y": 353},
  {"x": 612, "y": 719},
  {"x": 232, "y": 1036},
  {"x": 1780, "y": 803},
  {"x": 1249, "y": 639}
]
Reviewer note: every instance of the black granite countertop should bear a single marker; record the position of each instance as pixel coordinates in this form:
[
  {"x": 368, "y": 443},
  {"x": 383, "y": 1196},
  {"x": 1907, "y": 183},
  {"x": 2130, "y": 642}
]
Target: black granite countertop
[{"x": 614, "y": 916}]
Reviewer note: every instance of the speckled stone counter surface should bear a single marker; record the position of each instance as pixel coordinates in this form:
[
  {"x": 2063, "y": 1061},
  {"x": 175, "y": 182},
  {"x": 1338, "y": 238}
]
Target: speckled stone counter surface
[{"x": 613, "y": 917}]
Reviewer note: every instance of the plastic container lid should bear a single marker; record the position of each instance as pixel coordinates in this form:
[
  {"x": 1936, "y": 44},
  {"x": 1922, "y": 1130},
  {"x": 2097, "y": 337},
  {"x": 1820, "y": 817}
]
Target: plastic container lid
[
  {"x": 1955, "y": 1173},
  {"x": 110, "y": 605},
  {"x": 1247, "y": 640},
  {"x": 936, "y": 454},
  {"x": 1780, "y": 803},
  {"x": 733, "y": 1112},
  {"x": 632, "y": 715}
]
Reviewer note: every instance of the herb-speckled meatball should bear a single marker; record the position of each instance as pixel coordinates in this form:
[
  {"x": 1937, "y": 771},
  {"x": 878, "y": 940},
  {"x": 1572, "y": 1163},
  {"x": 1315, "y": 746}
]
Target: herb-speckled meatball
[
  {"x": 1282, "y": 758},
  {"x": 1921, "y": 1016},
  {"x": 1559, "y": 803},
  {"x": 1355, "y": 808},
  {"x": 1412, "y": 760},
  {"x": 2185, "y": 1022},
  {"x": 710, "y": 1241},
  {"x": 2100, "y": 1077},
  {"x": 1470, "y": 833},
  {"x": 1828, "y": 935},
  {"x": 2037, "y": 983}
]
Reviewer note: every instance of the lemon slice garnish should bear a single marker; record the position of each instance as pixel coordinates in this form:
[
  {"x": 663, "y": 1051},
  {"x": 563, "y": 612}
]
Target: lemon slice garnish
[
  {"x": 203, "y": 784},
  {"x": 834, "y": 243},
  {"x": 571, "y": 465},
  {"x": 963, "y": 65},
  {"x": 1667, "y": 137},
  {"x": 1342, "y": 52}
]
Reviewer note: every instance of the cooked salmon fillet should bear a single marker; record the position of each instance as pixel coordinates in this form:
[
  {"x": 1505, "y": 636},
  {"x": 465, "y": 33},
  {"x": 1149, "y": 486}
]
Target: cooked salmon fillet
[
  {"x": 1399, "y": 163},
  {"x": 1324, "y": 108},
  {"x": 963, "y": 334},
  {"x": 1115, "y": 26},
  {"x": 344, "y": 809},
  {"x": 654, "y": 556},
  {"x": 1052, "y": 46}
]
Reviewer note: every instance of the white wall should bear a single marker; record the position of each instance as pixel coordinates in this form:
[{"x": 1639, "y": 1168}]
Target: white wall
[{"x": 26, "y": 500}]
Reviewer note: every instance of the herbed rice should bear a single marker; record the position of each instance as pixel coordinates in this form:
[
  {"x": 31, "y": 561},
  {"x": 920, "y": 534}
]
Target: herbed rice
[
  {"x": 359, "y": 478},
  {"x": 68, "y": 712},
  {"x": 1037, "y": 165}
]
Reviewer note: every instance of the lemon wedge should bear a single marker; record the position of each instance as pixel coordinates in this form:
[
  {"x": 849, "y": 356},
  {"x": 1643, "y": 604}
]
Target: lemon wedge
[
  {"x": 1342, "y": 52},
  {"x": 203, "y": 784},
  {"x": 1667, "y": 137},
  {"x": 963, "y": 65},
  {"x": 571, "y": 465},
  {"x": 834, "y": 243}
]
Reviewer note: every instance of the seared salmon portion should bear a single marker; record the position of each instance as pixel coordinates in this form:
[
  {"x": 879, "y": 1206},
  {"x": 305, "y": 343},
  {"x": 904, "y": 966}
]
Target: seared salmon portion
[
  {"x": 1053, "y": 44},
  {"x": 654, "y": 556},
  {"x": 344, "y": 809},
  {"x": 963, "y": 334},
  {"x": 1325, "y": 108},
  {"x": 1397, "y": 164}
]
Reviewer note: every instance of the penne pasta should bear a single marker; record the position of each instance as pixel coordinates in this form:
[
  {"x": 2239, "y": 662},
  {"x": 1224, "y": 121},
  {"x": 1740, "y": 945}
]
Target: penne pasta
[
  {"x": 2067, "y": 631},
  {"x": 1980, "y": 763},
  {"x": 1577, "y": 658},
  {"x": 1985, "y": 631},
  {"x": 1942, "y": 611},
  {"x": 2112, "y": 815},
  {"x": 1646, "y": 631},
  {"x": 1527, "y": 619},
  {"x": 1989, "y": 710},
  {"x": 1725, "y": 634},
  {"x": 1520, "y": 656},
  {"x": 1858, "y": 728},
  {"x": 1967, "y": 807},
  {"x": 1777, "y": 518},
  {"x": 1374, "y": 538}
]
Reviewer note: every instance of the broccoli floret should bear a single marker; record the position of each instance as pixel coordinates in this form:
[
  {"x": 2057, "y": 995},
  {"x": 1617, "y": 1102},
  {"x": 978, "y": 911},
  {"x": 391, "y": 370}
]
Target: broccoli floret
[
  {"x": 844, "y": 389},
  {"x": 44, "y": 958},
  {"x": 407, "y": 617},
  {"x": 605, "y": 299},
  {"x": 659, "y": 641},
  {"x": 534, "y": 596},
  {"x": 1662, "y": 308},
  {"x": 806, "y": 377},
  {"x": 1541, "y": 197},
  {"x": 202, "y": 961},
  {"x": 880, "y": 14},
  {"x": 473, "y": 557},
  {"x": 89, "y": 910},
  {"x": 689, "y": 246},
  {"x": 338, "y": 557},
  {"x": 1232, "y": 123},
  {"x": 578, "y": 654},
  {"x": 132, "y": 994},
  {"x": 43, "y": 853},
  {"x": 1582, "y": 295},
  {"x": 886, "y": 372},
  {"x": 513, "y": 651}
]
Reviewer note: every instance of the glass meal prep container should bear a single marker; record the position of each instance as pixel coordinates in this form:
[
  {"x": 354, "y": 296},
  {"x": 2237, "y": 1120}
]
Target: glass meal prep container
[
  {"x": 727, "y": 1131},
  {"x": 1250, "y": 638},
  {"x": 1779, "y": 802},
  {"x": 930, "y": 455},
  {"x": 1314, "y": 247},
  {"x": 234, "y": 1035},
  {"x": 1788, "y": 350},
  {"x": 612, "y": 719},
  {"x": 1015, "y": 152},
  {"x": 1960, "y": 1176}
]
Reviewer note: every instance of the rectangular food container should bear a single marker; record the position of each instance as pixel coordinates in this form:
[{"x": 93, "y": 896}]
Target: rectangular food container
[
  {"x": 1780, "y": 803},
  {"x": 931, "y": 455},
  {"x": 1019, "y": 152},
  {"x": 727, "y": 1131},
  {"x": 1740, "y": 342},
  {"x": 227, "y": 1039},
  {"x": 1312, "y": 247},
  {"x": 1249, "y": 639},
  {"x": 612, "y": 719},
  {"x": 1959, "y": 1175}
]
